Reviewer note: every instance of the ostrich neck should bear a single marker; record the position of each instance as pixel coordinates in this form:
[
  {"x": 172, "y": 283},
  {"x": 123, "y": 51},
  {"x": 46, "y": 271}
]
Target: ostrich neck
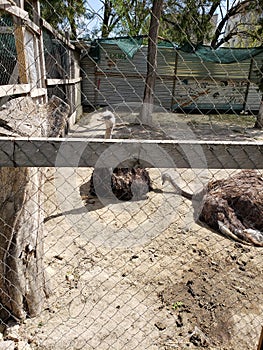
[
  {"x": 180, "y": 191},
  {"x": 188, "y": 195}
]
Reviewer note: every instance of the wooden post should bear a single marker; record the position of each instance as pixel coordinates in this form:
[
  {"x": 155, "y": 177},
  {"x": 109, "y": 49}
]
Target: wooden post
[
  {"x": 96, "y": 84},
  {"x": 173, "y": 100},
  {"x": 19, "y": 33},
  {"x": 67, "y": 76},
  {"x": 248, "y": 84},
  {"x": 39, "y": 52},
  {"x": 30, "y": 53},
  {"x": 148, "y": 99}
]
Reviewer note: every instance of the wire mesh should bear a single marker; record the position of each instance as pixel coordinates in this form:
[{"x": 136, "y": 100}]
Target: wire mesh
[
  {"x": 105, "y": 238},
  {"x": 8, "y": 50}
]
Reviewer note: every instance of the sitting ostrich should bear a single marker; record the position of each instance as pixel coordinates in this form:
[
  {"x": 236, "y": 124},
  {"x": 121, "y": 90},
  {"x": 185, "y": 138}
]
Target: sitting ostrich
[
  {"x": 125, "y": 183},
  {"x": 232, "y": 206}
]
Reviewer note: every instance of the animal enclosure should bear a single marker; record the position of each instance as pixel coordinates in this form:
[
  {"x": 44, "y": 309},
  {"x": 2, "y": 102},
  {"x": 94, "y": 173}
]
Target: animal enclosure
[
  {"x": 225, "y": 81},
  {"x": 168, "y": 265}
]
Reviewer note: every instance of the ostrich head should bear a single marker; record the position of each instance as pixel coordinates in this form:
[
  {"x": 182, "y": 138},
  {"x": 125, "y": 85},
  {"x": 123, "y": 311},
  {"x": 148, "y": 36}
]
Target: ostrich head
[
  {"x": 166, "y": 178},
  {"x": 109, "y": 119}
]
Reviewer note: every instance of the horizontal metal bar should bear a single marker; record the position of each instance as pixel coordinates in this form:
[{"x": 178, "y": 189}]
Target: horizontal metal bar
[{"x": 81, "y": 152}]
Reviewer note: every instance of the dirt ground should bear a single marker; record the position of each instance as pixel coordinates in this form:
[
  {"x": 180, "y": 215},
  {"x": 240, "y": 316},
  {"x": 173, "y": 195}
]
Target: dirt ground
[{"x": 143, "y": 275}]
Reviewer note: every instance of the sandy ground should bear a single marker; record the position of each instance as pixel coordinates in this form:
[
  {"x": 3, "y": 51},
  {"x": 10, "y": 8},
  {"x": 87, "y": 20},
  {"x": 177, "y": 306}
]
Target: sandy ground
[{"x": 143, "y": 275}]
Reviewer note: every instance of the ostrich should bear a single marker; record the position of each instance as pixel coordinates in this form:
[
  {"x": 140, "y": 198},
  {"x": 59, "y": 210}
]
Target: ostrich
[
  {"x": 125, "y": 183},
  {"x": 232, "y": 206},
  {"x": 109, "y": 119}
]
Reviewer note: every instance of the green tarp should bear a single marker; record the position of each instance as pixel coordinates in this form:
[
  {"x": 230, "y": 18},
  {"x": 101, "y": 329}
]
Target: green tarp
[
  {"x": 127, "y": 45},
  {"x": 226, "y": 55},
  {"x": 222, "y": 55}
]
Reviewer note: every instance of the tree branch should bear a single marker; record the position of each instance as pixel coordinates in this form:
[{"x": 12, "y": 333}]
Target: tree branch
[
  {"x": 214, "y": 8},
  {"x": 232, "y": 12}
]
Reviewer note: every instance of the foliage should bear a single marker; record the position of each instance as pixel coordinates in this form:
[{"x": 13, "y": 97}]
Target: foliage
[
  {"x": 110, "y": 18},
  {"x": 127, "y": 17},
  {"x": 63, "y": 14},
  {"x": 123, "y": 17},
  {"x": 188, "y": 21},
  {"x": 182, "y": 21},
  {"x": 134, "y": 16},
  {"x": 204, "y": 21}
]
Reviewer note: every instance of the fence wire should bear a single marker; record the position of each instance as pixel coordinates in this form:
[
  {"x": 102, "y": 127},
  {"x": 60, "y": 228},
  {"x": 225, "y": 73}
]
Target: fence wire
[{"x": 122, "y": 235}]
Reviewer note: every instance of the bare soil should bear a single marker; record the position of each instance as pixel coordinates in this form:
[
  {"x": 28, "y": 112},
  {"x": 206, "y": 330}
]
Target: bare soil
[{"x": 143, "y": 275}]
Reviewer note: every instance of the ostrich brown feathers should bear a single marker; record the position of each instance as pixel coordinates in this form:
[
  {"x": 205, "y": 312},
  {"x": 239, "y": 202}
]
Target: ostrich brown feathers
[
  {"x": 233, "y": 206},
  {"x": 126, "y": 183},
  {"x": 121, "y": 183}
]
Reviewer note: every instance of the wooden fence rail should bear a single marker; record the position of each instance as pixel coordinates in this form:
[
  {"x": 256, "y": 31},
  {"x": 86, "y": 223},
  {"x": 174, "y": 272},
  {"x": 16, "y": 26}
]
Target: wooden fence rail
[{"x": 80, "y": 152}]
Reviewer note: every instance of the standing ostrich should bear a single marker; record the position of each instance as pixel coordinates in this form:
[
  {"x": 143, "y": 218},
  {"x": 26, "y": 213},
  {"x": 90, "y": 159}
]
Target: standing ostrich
[
  {"x": 126, "y": 183},
  {"x": 109, "y": 119},
  {"x": 232, "y": 206}
]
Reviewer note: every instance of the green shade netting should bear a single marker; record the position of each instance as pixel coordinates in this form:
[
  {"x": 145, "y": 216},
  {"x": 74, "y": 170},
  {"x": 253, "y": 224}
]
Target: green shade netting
[
  {"x": 131, "y": 45},
  {"x": 222, "y": 55},
  {"x": 225, "y": 54},
  {"x": 167, "y": 44},
  {"x": 127, "y": 45}
]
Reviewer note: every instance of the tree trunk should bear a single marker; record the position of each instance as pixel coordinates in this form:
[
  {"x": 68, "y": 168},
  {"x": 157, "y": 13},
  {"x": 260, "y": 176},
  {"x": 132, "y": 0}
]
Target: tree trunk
[
  {"x": 106, "y": 19},
  {"x": 148, "y": 99},
  {"x": 259, "y": 121},
  {"x": 22, "y": 276}
]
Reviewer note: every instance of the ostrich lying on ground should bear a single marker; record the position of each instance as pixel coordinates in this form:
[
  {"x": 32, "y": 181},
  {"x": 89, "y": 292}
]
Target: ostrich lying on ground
[
  {"x": 233, "y": 206},
  {"x": 125, "y": 183}
]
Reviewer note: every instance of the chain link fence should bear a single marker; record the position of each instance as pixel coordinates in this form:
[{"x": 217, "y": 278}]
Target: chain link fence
[{"x": 122, "y": 235}]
